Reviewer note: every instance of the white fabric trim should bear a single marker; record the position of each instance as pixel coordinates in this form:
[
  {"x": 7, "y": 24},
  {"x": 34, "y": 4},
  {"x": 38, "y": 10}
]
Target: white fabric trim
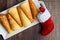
[{"x": 44, "y": 16}]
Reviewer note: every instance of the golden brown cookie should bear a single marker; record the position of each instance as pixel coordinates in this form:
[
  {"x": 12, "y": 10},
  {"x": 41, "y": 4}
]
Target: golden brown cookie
[
  {"x": 14, "y": 13},
  {"x": 13, "y": 23},
  {"x": 33, "y": 9},
  {"x": 26, "y": 22},
  {"x": 5, "y": 23},
  {"x": 26, "y": 8}
]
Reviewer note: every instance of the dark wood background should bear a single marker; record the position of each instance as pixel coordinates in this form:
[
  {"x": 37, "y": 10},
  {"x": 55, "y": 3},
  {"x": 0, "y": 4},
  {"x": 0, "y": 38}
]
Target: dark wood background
[{"x": 33, "y": 32}]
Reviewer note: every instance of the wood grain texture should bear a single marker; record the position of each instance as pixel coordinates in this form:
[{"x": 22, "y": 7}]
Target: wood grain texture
[
  {"x": 33, "y": 32},
  {"x": 10, "y": 3},
  {"x": 3, "y": 5}
]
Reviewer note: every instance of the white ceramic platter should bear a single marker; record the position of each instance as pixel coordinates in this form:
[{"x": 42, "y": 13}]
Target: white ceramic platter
[{"x": 6, "y": 35}]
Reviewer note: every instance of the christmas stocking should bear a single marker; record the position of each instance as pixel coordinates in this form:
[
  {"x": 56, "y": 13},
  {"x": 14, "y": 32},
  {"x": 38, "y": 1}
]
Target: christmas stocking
[{"x": 45, "y": 20}]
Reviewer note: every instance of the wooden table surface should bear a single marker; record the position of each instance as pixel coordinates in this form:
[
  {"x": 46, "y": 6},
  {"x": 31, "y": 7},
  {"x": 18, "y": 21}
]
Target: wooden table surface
[{"x": 33, "y": 32}]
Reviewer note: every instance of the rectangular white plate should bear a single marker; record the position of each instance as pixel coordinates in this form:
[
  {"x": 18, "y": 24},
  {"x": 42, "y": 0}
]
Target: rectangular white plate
[{"x": 6, "y": 35}]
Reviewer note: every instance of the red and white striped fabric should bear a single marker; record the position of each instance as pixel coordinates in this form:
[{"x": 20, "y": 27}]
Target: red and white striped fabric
[{"x": 45, "y": 21}]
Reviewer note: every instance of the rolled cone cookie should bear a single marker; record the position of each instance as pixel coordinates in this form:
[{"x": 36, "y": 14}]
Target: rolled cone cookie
[
  {"x": 5, "y": 23},
  {"x": 13, "y": 23},
  {"x": 26, "y": 22},
  {"x": 14, "y": 13},
  {"x": 26, "y": 8},
  {"x": 34, "y": 9}
]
